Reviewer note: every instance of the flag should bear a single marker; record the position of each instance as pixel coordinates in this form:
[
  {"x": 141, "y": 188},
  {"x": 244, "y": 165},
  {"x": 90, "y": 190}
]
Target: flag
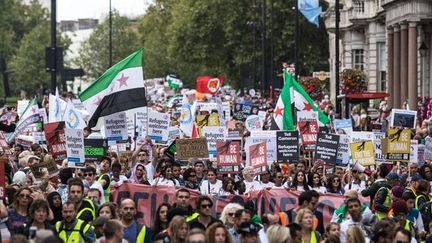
[
  {"x": 120, "y": 88},
  {"x": 29, "y": 116},
  {"x": 186, "y": 117},
  {"x": 56, "y": 107},
  {"x": 208, "y": 85},
  {"x": 174, "y": 82},
  {"x": 310, "y": 10},
  {"x": 73, "y": 117}
]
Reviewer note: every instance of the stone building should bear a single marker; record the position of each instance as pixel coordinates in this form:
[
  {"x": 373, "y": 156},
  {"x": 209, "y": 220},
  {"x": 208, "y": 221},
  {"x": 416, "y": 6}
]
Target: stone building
[{"x": 391, "y": 41}]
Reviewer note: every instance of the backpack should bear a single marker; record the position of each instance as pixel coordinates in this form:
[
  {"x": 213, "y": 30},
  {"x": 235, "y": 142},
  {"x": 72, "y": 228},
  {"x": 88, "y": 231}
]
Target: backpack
[{"x": 373, "y": 202}]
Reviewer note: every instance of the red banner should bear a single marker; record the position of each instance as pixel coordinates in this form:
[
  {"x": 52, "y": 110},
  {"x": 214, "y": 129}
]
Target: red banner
[
  {"x": 228, "y": 157},
  {"x": 56, "y": 141},
  {"x": 2, "y": 179},
  {"x": 208, "y": 85},
  {"x": 258, "y": 157},
  {"x": 148, "y": 198}
]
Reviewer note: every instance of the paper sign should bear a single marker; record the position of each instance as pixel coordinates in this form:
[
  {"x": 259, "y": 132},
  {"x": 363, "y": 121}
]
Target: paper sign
[
  {"x": 207, "y": 121},
  {"x": 253, "y": 122},
  {"x": 403, "y": 118},
  {"x": 308, "y": 126},
  {"x": 191, "y": 148},
  {"x": 414, "y": 152},
  {"x": 258, "y": 157},
  {"x": 213, "y": 135},
  {"x": 157, "y": 123},
  {"x": 75, "y": 148},
  {"x": 420, "y": 154},
  {"x": 361, "y": 136},
  {"x": 326, "y": 148},
  {"x": 94, "y": 149},
  {"x": 380, "y": 156},
  {"x": 116, "y": 126},
  {"x": 343, "y": 126},
  {"x": 56, "y": 140},
  {"x": 78, "y": 104},
  {"x": 428, "y": 148},
  {"x": 287, "y": 146},
  {"x": 228, "y": 157},
  {"x": 399, "y": 144},
  {"x": 269, "y": 137},
  {"x": 4, "y": 146},
  {"x": 343, "y": 153},
  {"x": 50, "y": 165},
  {"x": 43, "y": 115},
  {"x": 363, "y": 153}
]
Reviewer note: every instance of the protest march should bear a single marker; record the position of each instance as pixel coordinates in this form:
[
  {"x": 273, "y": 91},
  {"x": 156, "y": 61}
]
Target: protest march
[{"x": 147, "y": 160}]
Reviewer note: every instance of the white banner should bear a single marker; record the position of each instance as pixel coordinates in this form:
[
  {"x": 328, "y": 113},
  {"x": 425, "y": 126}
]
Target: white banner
[{"x": 75, "y": 148}]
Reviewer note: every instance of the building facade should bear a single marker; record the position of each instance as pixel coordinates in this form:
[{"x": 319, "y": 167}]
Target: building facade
[{"x": 391, "y": 41}]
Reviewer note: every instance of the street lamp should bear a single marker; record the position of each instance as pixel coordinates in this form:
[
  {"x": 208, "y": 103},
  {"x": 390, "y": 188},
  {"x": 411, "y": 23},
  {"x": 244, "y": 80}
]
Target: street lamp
[{"x": 423, "y": 52}]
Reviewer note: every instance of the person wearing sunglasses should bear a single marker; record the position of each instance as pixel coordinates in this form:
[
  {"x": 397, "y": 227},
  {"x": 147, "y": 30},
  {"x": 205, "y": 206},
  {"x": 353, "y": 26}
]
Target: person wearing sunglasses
[
  {"x": 228, "y": 214},
  {"x": 334, "y": 185},
  {"x": 90, "y": 178},
  {"x": 19, "y": 211},
  {"x": 204, "y": 207}
]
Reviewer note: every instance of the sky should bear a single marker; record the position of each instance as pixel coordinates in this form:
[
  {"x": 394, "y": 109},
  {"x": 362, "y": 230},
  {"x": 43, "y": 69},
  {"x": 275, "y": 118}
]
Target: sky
[{"x": 75, "y": 9}]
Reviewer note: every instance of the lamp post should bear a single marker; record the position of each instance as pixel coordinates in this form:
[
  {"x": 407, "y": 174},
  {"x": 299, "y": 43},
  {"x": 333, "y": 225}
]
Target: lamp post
[
  {"x": 423, "y": 52},
  {"x": 110, "y": 36}
]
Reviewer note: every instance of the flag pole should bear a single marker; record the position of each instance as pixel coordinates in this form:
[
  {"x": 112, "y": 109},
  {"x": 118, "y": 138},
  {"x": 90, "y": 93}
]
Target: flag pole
[{"x": 296, "y": 46}]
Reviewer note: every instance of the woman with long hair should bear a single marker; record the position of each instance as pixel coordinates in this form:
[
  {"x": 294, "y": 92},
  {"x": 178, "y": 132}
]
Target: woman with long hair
[
  {"x": 315, "y": 183},
  {"x": 278, "y": 234},
  {"x": 139, "y": 175},
  {"x": 299, "y": 182},
  {"x": 305, "y": 219},
  {"x": 211, "y": 185},
  {"x": 227, "y": 187},
  {"x": 39, "y": 211},
  {"x": 178, "y": 229},
  {"x": 355, "y": 235},
  {"x": 19, "y": 211},
  {"x": 228, "y": 214},
  {"x": 107, "y": 210},
  {"x": 160, "y": 221},
  {"x": 55, "y": 203},
  {"x": 334, "y": 185},
  {"x": 166, "y": 177},
  {"x": 217, "y": 233}
]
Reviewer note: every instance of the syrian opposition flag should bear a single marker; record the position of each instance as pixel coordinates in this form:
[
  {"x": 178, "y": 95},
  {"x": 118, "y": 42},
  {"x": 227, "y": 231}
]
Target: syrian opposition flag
[
  {"x": 208, "y": 85},
  {"x": 120, "y": 88},
  {"x": 174, "y": 82},
  {"x": 293, "y": 93},
  {"x": 56, "y": 107},
  {"x": 29, "y": 116}
]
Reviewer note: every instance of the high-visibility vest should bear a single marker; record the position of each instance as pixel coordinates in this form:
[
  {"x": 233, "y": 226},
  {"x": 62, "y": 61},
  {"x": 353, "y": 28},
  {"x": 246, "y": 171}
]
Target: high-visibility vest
[
  {"x": 387, "y": 202},
  {"x": 107, "y": 192},
  {"x": 92, "y": 209},
  {"x": 313, "y": 238},
  {"x": 192, "y": 217},
  {"x": 141, "y": 234},
  {"x": 417, "y": 201},
  {"x": 77, "y": 234}
]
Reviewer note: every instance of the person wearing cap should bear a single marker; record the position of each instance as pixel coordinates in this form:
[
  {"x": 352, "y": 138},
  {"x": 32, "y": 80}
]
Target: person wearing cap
[
  {"x": 400, "y": 213},
  {"x": 415, "y": 178},
  {"x": 382, "y": 202},
  {"x": 248, "y": 232}
]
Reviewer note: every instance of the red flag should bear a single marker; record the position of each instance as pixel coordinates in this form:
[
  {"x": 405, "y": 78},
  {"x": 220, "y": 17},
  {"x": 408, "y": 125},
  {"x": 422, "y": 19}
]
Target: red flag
[
  {"x": 194, "y": 131},
  {"x": 208, "y": 85}
]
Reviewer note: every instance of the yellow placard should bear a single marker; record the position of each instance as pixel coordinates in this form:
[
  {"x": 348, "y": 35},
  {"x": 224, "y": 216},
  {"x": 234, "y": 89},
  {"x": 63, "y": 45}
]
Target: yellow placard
[
  {"x": 363, "y": 153},
  {"x": 399, "y": 141},
  {"x": 207, "y": 121}
]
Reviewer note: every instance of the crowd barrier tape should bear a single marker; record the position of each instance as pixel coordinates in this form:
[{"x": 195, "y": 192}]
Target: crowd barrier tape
[{"x": 148, "y": 198}]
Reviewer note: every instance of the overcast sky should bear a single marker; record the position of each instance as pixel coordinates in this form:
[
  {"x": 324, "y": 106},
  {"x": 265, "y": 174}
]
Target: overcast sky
[{"x": 75, "y": 9}]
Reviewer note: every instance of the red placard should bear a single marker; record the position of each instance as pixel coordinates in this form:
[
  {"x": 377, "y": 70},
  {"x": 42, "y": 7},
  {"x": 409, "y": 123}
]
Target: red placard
[
  {"x": 258, "y": 157},
  {"x": 2, "y": 179},
  {"x": 308, "y": 132},
  {"x": 228, "y": 157},
  {"x": 56, "y": 141}
]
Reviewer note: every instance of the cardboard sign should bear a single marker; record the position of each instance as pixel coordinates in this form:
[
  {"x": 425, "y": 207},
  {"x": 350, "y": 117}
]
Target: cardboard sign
[
  {"x": 287, "y": 146},
  {"x": 2, "y": 178},
  {"x": 258, "y": 157},
  {"x": 363, "y": 153},
  {"x": 213, "y": 135},
  {"x": 211, "y": 120},
  {"x": 75, "y": 148},
  {"x": 191, "y": 148},
  {"x": 56, "y": 140},
  {"x": 157, "y": 123},
  {"x": 403, "y": 118},
  {"x": 253, "y": 122},
  {"x": 343, "y": 153},
  {"x": 414, "y": 152},
  {"x": 50, "y": 165},
  {"x": 380, "y": 156},
  {"x": 269, "y": 137},
  {"x": 308, "y": 126},
  {"x": 399, "y": 144},
  {"x": 116, "y": 126},
  {"x": 343, "y": 126},
  {"x": 228, "y": 157},
  {"x": 326, "y": 148},
  {"x": 94, "y": 149}
]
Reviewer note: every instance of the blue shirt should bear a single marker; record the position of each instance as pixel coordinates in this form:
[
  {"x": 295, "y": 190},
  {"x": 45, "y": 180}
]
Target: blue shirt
[{"x": 130, "y": 233}]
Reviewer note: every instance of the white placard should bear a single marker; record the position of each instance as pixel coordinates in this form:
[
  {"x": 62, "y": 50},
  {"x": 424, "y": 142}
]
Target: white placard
[
  {"x": 264, "y": 136},
  {"x": 361, "y": 136},
  {"x": 379, "y": 156},
  {"x": 214, "y": 135},
  {"x": 157, "y": 123},
  {"x": 414, "y": 152},
  {"x": 43, "y": 114},
  {"x": 428, "y": 149},
  {"x": 344, "y": 152},
  {"x": 78, "y": 104},
  {"x": 75, "y": 148},
  {"x": 116, "y": 126},
  {"x": 262, "y": 115},
  {"x": 253, "y": 123}
]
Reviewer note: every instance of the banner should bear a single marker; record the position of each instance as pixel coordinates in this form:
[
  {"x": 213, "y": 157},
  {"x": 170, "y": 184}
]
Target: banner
[
  {"x": 287, "y": 144},
  {"x": 211, "y": 120},
  {"x": 213, "y": 135},
  {"x": 343, "y": 126},
  {"x": 326, "y": 149},
  {"x": 399, "y": 144},
  {"x": 258, "y": 157},
  {"x": 94, "y": 149},
  {"x": 191, "y": 148},
  {"x": 253, "y": 122},
  {"x": 269, "y": 137},
  {"x": 343, "y": 152},
  {"x": 116, "y": 127},
  {"x": 56, "y": 140},
  {"x": 157, "y": 124},
  {"x": 363, "y": 153},
  {"x": 148, "y": 199},
  {"x": 307, "y": 122},
  {"x": 75, "y": 148},
  {"x": 228, "y": 157}
]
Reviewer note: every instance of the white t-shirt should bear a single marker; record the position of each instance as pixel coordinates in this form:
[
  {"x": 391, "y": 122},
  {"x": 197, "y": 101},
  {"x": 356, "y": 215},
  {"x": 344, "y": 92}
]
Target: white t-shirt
[
  {"x": 252, "y": 186},
  {"x": 122, "y": 179},
  {"x": 214, "y": 188},
  {"x": 267, "y": 185},
  {"x": 163, "y": 182},
  {"x": 98, "y": 186},
  {"x": 150, "y": 171},
  {"x": 356, "y": 187},
  {"x": 320, "y": 189}
]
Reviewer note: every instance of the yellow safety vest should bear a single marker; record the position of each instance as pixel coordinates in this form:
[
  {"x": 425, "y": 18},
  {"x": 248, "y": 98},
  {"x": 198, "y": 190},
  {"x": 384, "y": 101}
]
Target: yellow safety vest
[
  {"x": 75, "y": 236},
  {"x": 387, "y": 202},
  {"x": 92, "y": 209},
  {"x": 313, "y": 238},
  {"x": 141, "y": 235},
  {"x": 192, "y": 217},
  {"x": 417, "y": 199},
  {"x": 107, "y": 192}
]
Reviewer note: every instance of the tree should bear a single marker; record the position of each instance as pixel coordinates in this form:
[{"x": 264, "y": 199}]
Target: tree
[{"x": 94, "y": 52}]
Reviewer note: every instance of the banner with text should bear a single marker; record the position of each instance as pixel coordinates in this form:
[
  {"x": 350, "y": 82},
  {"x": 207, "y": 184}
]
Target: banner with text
[
  {"x": 287, "y": 146},
  {"x": 326, "y": 149},
  {"x": 307, "y": 122},
  {"x": 75, "y": 148},
  {"x": 228, "y": 157}
]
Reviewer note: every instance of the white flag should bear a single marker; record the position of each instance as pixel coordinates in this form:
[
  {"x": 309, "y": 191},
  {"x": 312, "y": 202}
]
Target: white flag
[
  {"x": 56, "y": 107},
  {"x": 73, "y": 117}
]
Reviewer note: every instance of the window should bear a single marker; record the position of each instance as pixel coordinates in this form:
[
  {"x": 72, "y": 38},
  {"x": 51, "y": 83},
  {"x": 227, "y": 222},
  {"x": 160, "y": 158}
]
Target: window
[
  {"x": 382, "y": 66},
  {"x": 359, "y": 6},
  {"x": 358, "y": 59}
]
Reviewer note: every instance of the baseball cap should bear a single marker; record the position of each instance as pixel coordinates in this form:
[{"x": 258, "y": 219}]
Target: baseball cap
[
  {"x": 248, "y": 227},
  {"x": 392, "y": 176}
]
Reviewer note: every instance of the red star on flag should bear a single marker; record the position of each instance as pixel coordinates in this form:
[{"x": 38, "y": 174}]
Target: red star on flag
[
  {"x": 33, "y": 109},
  {"x": 123, "y": 80},
  {"x": 98, "y": 101},
  {"x": 278, "y": 111},
  {"x": 307, "y": 107}
]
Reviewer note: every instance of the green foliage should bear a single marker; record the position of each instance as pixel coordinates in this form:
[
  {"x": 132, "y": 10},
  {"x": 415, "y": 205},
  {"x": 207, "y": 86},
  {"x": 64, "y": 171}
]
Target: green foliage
[{"x": 94, "y": 52}]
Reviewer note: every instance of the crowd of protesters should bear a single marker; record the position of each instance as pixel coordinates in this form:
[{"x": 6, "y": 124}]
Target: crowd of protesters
[{"x": 77, "y": 205}]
